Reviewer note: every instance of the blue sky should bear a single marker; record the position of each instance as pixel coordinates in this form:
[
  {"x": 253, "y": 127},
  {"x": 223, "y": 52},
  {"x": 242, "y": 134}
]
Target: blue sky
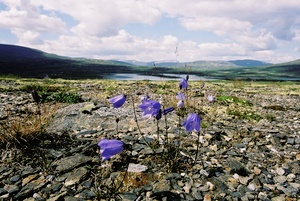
[{"x": 156, "y": 30}]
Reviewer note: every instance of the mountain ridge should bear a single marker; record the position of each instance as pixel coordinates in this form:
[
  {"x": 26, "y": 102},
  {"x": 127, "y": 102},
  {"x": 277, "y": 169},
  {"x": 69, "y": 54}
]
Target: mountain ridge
[
  {"x": 27, "y": 62},
  {"x": 7, "y": 51}
]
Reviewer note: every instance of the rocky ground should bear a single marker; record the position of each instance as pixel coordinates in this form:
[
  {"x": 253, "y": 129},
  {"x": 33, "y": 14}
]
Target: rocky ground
[{"x": 248, "y": 150}]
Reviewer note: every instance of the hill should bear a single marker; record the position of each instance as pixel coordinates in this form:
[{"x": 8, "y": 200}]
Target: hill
[
  {"x": 249, "y": 63},
  {"x": 27, "y": 62}
]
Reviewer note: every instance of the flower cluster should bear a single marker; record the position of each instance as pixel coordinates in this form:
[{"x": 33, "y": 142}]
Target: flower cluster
[{"x": 151, "y": 109}]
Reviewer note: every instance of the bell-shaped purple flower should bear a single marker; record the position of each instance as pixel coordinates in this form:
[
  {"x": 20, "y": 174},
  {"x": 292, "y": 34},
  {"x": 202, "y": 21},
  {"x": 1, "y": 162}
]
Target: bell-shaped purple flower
[
  {"x": 118, "y": 101},
  {"x": 180, "y": 103},
  {"x": 180, "y": 96},
  {"x": 150, "y": 108},
  {"x": 192, "y": 123},
  {"x": 210, "y": 98},
  {"x": 109, "y": 148},
  {"x": 183, "y": 84},
  {"x": 163, "y": 112},
  {"x": 167, "y": 110}
]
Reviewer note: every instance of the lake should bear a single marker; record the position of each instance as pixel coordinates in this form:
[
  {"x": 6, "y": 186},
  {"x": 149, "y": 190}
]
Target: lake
[{"x": 123, "y": 76}]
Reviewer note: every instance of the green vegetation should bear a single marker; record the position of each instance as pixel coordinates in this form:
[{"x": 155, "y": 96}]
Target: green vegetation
[
  {"x": 52, "y": 93},
  {"x": 226, "y": 100},
  {"x": 245, "y": 114}
]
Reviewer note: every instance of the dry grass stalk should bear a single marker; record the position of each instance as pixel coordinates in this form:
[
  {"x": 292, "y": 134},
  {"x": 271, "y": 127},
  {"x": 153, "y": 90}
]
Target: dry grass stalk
[{"x": 26, "y": 126}]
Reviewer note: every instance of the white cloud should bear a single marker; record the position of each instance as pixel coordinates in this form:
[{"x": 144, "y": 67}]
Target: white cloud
[
  {"x": 257, "y": 41},
  {"x": 218, "y": 25},
  {"x": 244, "y": 28},
  {"x": 102, "y": 17},
  {"x": 25, "y": 21},
  {"x": 28, "y": 37}
]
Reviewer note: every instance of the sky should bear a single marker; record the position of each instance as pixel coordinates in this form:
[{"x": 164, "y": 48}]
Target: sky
[{"x": 156, "y": 30}]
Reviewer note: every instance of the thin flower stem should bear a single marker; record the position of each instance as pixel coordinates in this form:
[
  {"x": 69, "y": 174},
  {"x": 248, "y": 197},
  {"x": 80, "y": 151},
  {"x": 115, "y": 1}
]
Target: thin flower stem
[
  {"x": 157, "y": 130},
  {"x": 138, "y": 126},
  {"x": 179, "y": 131},
  {"x": 166, "y": 127},
  {"x": 198, "y": 145},
  {"x": 187, "y": 97}
]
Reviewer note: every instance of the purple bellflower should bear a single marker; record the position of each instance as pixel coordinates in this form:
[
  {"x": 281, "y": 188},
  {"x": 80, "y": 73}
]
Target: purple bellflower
[
  {"x": 183, "y": 84},
  {"x": 118, "y": 101},
  {"x": 180, "y": 103},
  {"x": 210, "y": 98},
  {"x": 192, "y": 123},
  {"x": 109, "y": 148},
  {"x": 180, "y": 96},
  {"x": 168, "y": 110},
  {"x": 150, "y": 108},
  {"x": 163, "y": 112}
]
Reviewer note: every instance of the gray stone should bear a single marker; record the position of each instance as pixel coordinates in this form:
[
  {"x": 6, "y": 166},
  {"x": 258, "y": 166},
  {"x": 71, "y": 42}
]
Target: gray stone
[
  {"x": 2, "y": 191},
  {"x": 197, "y": 194},
  {"x": 237, "y": 167},
  {"x": 290, "y": 141},
  {"x": 15, "y": 178},
  {"x": 163, "y": 185},
  {"x": 280, "y": 179},
  {"x": 56, "y": 186},
  {"x": 172, "y": 176},
  {"x": 75, "y": 176},
  {"x": 57, "y": 197},
  {"x": 262, "y": 196},
  {"x": 70, "y": 198},
  {"x": 28, "y": 170},
  {"x": 128, "y": 196},
  {"x": 32, "y": 187},
  {"x": 278, "y": 198},
  {"x": 69, "y": 163},
  {"x": 280, "y": 171},
  {"x": 88, "y": 108},
  {"x": 289, "y": 190},
  {"x": 136, "y": 167},
  {"x": 87, "y": 194},
  {"x": 11, "y": 188}
]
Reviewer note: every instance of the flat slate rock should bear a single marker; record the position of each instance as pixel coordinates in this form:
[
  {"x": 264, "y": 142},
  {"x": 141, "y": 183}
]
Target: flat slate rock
[{"x": 69, "y": 163}]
